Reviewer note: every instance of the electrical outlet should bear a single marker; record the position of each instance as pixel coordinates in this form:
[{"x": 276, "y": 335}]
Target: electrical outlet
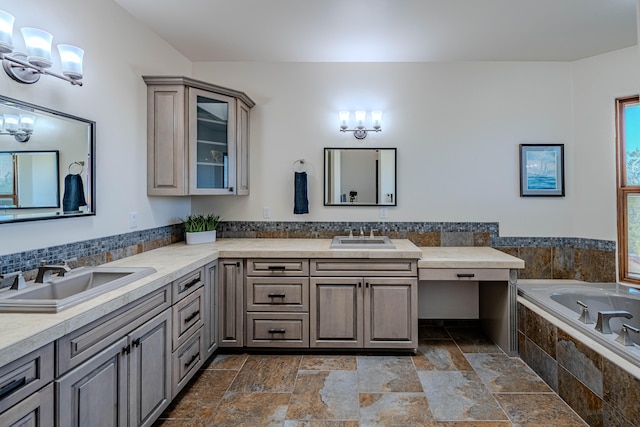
[
  {"x": 266, "y": 212},
  {"x": 133, "y": 219},
  {"x": 383, "y": 213}
]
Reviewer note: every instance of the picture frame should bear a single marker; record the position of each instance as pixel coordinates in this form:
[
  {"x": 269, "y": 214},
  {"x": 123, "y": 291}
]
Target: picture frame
[{"x": 542, "y": 170}]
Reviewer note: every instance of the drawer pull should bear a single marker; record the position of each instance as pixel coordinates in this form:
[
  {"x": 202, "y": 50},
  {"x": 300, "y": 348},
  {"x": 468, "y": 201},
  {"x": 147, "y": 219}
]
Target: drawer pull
[
  {"x": 193, "y": 358},
  {"x": 277, "y": 331},
  {"x": 277, "y": 268},
  {"x": 466, "y": 275},
  {"x": 277, "y": 295},
  {"x": 192, "y": 316},
  {"x": 136, "y": 342},
  {"x": 191, "y": 283},
  {"x": 15, "y": 384}
]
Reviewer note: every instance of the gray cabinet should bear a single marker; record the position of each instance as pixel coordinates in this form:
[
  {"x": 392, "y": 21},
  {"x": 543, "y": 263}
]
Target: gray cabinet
[
  {"x": 231, "y": 302},
  {"x": 127, "y": 383},
  {"x": 36, "y": 411},
  {"x": 211, "y": 308},
  {"x": 197, "y": 138},
  {"x": 351, "y": 310}
]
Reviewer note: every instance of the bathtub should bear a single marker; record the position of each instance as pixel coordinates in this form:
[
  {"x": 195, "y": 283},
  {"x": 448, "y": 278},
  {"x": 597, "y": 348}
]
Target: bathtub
[{"x": 560, "y": 299}]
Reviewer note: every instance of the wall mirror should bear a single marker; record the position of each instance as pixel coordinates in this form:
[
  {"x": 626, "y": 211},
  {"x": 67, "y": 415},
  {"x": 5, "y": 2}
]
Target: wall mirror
[
  {"x": 360, "y": 177},
  {"x": 51, "y": 174}
]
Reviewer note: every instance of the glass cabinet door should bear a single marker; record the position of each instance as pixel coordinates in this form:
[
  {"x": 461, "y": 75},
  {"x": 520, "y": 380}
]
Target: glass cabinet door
[{"x": 212, "y": 148}]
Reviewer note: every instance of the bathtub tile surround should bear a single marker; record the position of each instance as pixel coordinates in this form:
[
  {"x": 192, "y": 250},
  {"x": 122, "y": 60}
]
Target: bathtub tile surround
[
  {"x": 602, "y": 393},
  {"x": 440, "y": 386},
  {"x": 546, "y": 258}
]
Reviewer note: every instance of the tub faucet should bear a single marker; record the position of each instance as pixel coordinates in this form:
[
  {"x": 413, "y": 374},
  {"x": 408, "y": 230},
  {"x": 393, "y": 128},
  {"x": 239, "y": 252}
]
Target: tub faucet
[
  {"x": 44, "y": 271},
  {"x": 584, "y": 313},
  {"x": 602, "y": 325},
  {"x": 624, "y": 337}
]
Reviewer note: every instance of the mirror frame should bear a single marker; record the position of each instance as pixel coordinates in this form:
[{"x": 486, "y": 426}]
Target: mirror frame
[
  {"x": 395, "y": 176},
  {"x": 90, "y": 167}
]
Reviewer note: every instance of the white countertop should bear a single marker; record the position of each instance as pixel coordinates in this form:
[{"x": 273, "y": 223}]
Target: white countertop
[
  {"x": 467, "y": 257},
  {"x": 25, "y": 332}
]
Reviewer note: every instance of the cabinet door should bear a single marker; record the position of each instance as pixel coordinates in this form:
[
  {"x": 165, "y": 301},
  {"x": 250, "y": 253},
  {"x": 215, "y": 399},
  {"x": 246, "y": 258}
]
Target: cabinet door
[
  {"x": 34, "y": 411},
  {"x": 335, "y": 313},
  {"x": 150, "y": 370},
  {"x": 212, "y": 143},
  {"x": 95, "y": 393},
  {"x": 210, "y": 308},
  {"x": 243, "y": 149},
  {"x": 166, "y": 144},
  {"x": 390, "y": 312},
  {"x": 231, "y": 289}
]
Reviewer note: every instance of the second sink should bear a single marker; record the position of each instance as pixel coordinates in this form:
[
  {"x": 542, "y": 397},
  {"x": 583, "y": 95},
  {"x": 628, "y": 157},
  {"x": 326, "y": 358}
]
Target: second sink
[
  {"x": 75, "y": 287},
  {"x": 376, "y": 242}
]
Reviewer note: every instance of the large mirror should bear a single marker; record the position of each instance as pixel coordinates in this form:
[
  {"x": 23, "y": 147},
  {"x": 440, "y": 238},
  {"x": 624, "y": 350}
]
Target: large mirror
[
  {"x": 47, "y": 164},
  {"x": 360, "y": 177}
]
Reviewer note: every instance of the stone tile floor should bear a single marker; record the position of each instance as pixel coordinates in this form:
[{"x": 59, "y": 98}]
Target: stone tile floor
[{"x": 458, "y": 378}]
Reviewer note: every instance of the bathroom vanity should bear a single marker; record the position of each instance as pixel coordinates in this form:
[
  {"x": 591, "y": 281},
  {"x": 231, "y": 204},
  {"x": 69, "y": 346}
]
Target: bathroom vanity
[{"x": 241, "y": 293}]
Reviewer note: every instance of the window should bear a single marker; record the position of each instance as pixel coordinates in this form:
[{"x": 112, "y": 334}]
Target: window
[{"x": 628, "y": 182}]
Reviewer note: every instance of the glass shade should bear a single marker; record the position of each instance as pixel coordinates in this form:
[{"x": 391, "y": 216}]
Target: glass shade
[
  {"x": 376, "y": 119},
  {"x": 71, "y": 59},
  {"x": 344, "y": 119},
  {"x": 38, "y": 44},
  {"x": 27, "y": 122},
  {"x": 6, "y": 32},
  {"x": 11, "y": 122},
  {"x": 360, "y": 117}
]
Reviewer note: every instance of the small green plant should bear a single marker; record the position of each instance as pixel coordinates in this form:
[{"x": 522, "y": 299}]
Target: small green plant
[{"x": 200, "y": 222}]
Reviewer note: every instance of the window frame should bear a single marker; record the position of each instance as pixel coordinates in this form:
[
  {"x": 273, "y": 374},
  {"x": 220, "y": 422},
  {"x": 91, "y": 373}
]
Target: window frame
[{"x": 623, "y": 190}]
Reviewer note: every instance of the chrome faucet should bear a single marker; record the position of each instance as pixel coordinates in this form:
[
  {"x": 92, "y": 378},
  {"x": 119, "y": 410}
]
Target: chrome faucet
[
  {"x": 361, "y": 232},
  {"x": 14, "y": 280},
  {"x": 44, "y": 271},
  {"x": 624, "y": 337},
  {"x": 584, "y": 313},
  {"x": 371, "y": 236},
  {"x": 602, "y": 325}
]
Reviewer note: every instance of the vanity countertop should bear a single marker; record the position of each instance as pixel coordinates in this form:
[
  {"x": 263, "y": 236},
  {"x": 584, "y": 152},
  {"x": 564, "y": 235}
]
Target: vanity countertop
[{"x": 467, "y": 257}]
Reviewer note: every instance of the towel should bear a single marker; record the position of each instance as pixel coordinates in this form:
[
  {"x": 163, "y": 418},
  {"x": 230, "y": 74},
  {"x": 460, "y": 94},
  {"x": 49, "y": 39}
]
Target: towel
[
  {"x": 300, "y": 203},
  {"x": 73, "y": 194}
]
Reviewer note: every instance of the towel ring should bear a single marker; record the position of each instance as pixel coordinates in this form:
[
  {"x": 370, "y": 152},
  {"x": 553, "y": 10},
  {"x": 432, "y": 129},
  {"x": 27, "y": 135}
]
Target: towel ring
[
  {"x": 81, "y": 164},
  {"x": 300, "y": 165}
]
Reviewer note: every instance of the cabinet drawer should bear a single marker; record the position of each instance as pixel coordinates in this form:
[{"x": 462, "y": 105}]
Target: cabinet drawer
[
  {"x": 277, "y": 267},
  {"x": 351, "y": 267},
  {"x": 277, "y": 330},
  {"x": 81, "y": 344},
  {"x": 275, "y": 294},
  {"x": 186, "y": 360},
  {"x": 24, "y": 376},
  {"x": 187, "y": 284},
  {"x": 35, "y": 410},
  {"x": 469, "y": 274},
  {"x": 188, "y": 316}
]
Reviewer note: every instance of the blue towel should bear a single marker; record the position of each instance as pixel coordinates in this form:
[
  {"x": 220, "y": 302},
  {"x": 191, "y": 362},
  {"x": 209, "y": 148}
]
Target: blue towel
[
  {"x": 73, "y": 194},
  {"x": 300, "y": 203}
]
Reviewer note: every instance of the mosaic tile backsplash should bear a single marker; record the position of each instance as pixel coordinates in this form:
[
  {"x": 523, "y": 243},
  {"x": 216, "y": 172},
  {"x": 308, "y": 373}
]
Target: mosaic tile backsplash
[{"x": 545, "y": 258}]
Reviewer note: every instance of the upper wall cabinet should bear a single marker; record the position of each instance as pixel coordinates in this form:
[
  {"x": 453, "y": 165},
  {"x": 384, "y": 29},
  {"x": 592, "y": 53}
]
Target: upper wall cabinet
[{"x": 197, "y": 138}]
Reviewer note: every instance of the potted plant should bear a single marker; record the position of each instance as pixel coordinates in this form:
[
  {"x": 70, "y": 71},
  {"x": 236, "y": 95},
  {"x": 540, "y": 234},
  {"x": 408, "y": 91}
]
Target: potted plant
[{"x": 201, "y": 228}]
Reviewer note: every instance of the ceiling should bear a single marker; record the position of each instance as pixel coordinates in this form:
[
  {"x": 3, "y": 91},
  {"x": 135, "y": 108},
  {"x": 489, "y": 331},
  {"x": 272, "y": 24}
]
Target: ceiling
[{"x": 389, "y": 30}]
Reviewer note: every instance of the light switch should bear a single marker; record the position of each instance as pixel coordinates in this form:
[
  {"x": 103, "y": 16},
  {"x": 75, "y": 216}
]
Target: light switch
[{"x": 266, "y": 212}]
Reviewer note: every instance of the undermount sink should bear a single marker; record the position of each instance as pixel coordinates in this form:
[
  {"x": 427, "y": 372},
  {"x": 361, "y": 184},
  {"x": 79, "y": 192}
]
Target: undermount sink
[
  {"x": 376, "y": 242},
  {"x": 76, "y": 286}
]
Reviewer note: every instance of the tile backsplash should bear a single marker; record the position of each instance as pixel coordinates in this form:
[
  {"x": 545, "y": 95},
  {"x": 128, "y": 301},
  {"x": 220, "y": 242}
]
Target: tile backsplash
[{"x": 545, "y": 257}]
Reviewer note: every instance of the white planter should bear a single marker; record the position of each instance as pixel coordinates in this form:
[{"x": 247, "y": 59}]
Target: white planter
[{"x": 201, "y": 237}]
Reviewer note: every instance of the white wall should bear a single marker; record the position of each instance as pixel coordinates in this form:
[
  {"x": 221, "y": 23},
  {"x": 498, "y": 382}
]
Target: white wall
[
  {"x": 597, "y": 82},
  {"x": 457, "y": 127},
  {"x": 118, "y": 51}
]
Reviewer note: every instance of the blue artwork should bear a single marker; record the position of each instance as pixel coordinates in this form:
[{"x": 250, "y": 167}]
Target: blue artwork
[{"x": 542, "y": 170}]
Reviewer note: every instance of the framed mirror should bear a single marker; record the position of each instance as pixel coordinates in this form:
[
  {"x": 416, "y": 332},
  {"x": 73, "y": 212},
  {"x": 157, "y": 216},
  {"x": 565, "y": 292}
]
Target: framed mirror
[
  {"x": 360, "y": 177},
  {"x": 47, "y": 163}
]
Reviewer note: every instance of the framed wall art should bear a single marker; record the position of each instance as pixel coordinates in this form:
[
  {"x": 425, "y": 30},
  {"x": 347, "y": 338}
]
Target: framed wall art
[{"x": 541, "y": 170}]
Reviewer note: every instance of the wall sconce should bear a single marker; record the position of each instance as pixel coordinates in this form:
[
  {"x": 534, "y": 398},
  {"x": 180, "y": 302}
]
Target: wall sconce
[
  {"x": 27, "y": 68},
  {"x": 360, "y": 131},
  {"x": 19, "y": 126}
]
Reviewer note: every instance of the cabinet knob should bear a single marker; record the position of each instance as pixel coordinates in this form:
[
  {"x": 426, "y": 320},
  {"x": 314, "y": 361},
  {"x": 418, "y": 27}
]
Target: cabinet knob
[{"x": 136, "y": 342}]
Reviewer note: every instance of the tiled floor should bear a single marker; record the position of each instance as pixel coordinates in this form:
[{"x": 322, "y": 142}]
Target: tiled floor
[{"x": 458, "y": 379}]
